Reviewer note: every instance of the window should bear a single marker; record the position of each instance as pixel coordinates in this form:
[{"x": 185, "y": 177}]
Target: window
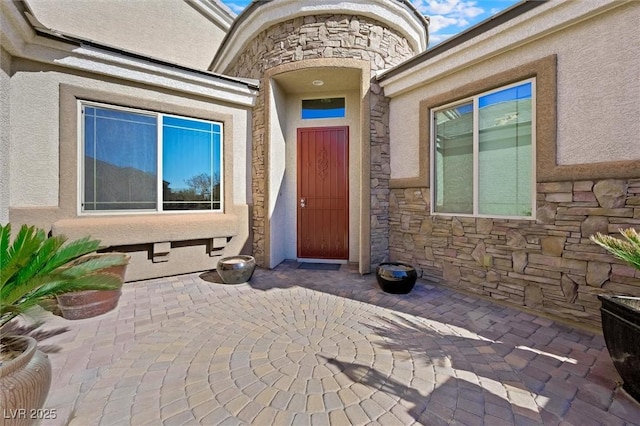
[
  {"x": 323, "y": 108},
  {"x": 144, "y": 161},
  {"x": 483, "y": 159}
]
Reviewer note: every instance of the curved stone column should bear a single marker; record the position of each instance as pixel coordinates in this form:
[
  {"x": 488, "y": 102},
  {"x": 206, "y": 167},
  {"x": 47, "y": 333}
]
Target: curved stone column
[{"x": 325, "y": 36}]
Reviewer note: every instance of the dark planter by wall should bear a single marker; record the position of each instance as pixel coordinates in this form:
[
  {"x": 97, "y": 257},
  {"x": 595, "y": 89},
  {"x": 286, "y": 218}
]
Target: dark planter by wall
[
  {"x": 621, "y": 329},
  {"x": 396, "y": 277},
  {"x": 24, "y": 381}
]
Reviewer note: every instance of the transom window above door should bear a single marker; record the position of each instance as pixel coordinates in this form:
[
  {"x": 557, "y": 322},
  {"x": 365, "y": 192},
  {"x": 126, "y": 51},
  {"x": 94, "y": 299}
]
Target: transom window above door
[
  {"x": 142, "y": 161},
  {"x": 483, "y": 158},
  {"x": 323, "y": 108}
]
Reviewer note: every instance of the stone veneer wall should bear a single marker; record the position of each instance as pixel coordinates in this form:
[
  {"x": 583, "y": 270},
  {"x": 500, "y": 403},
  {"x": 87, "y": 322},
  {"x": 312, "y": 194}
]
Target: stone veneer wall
[
  {"x": 326, "y": 36},
  {"x": 549, "y": 265}
]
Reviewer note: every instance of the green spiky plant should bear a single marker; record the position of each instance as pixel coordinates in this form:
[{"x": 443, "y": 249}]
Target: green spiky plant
[
  {"x": 34, "y": 268},
  {"x": 627, "y": 250}
]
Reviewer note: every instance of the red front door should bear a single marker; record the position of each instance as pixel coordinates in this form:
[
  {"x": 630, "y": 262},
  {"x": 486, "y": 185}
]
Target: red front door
[{"x": 323, "y": 193}]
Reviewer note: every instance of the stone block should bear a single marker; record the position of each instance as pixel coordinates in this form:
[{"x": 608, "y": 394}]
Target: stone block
[
  {"x": 546, "y": 214},
  {"x": 519, "y": 261},
  {"x": 633, "y": 201},
  {"x": 451, "y": 273},
  {"x": 559, "y": 197},
  {"x": 569, "y": 288},
  {"x": 621, "y": 288},
  {"x": 413, "y": 195},
  {"x": 584, "y": 196},
  {"x": 623, "y": 270},
  {"x": 479, "y": 253},
  {"x": 596, "y": 211},
  {"x": 492, "y": 277},
  {"x": 427, "y": 226},
  {"x": 456, "y": 227},
  {"x": 428, "y": 254},
  {"x": 533, "y": 296},
  {"x": 593, "y": 225},
  {"x": 405, "y": 221},
  {"x": 611, "y": 194},
  {"x": 598, "y": 273},
  {"x": 484, "y": 226},
  {"x": 552, "y": 246},
  {"x": 549, "y": 187},
  {"x": 407, "y": 242},
  {"x": 515, "y": 239},
  {"x": 584, "y": 185}
]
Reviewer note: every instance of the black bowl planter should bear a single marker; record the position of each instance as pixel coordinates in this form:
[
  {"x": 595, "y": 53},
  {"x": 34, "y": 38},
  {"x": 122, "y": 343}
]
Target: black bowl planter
[
  {"x": 621, "y": 329},
  {"x": 396, "y": 277}
]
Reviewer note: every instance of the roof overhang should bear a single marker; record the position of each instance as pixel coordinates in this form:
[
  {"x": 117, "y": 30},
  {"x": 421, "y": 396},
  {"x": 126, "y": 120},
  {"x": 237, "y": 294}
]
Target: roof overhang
[
  {"x": 260, "y": 15},
  {"x": 23, "y": 36},
  {"x": 515, "y": 27},
  {"x": 215, "y": 11}
]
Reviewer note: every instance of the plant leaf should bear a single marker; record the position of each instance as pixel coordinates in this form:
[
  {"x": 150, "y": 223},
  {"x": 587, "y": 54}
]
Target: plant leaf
[
  {"x": 18, "y": 255},
  {"x": 627, "y": 250},
  {"x": 72, "y": 251},
  {"x": 86, "y": 282}
]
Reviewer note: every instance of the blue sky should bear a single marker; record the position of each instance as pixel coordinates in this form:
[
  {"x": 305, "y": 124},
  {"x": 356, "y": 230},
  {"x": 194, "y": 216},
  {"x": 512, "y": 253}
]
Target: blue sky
[{"x": 448, "y": 17}]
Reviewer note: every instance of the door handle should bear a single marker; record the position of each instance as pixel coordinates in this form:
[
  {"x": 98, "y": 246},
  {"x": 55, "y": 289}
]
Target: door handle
[{"x": 303, "y": 202}]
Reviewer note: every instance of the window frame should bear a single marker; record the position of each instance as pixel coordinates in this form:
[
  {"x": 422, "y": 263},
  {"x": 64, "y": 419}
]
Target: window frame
[
  {"x": 474, "y": 99},
  {"x": 320, "y": 98},
  {"x": 81, "y": 103}
]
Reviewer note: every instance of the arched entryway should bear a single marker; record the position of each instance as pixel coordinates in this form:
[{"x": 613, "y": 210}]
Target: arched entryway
[{"x": 291, "y": 224}]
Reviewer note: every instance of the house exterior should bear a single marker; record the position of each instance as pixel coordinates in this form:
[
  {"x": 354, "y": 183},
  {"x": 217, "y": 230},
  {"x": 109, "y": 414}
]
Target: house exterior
[
  {"x": 328, "y": 131},
  {"x": 91, "y": 139}
]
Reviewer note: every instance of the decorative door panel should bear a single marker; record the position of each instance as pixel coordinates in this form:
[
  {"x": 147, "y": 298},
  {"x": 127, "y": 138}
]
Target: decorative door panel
[{"x": 323, "y": 193}]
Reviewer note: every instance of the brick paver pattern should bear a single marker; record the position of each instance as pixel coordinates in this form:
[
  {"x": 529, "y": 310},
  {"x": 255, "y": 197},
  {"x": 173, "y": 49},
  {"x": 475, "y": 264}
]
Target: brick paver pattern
[{"x": 308, "y": 347}]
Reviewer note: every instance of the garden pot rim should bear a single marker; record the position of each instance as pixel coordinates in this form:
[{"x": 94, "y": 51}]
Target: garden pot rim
[{"x": 28, "y": 347}]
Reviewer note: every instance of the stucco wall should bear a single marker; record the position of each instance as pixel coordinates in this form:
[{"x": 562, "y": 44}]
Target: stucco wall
[
  {"x": 172, "y": 30},
  {"x": 44, "y": 167},
  {"x": 278, "y": 172},
  {"x": 597, "y": 92},
  {"x": 5, "y": 105}
]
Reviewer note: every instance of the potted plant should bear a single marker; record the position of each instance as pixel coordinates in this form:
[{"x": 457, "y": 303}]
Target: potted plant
[
  {"x": 90, "y": 303},
  {"x": 32, "y": 269},
  {"x": 621, "y": 314}
]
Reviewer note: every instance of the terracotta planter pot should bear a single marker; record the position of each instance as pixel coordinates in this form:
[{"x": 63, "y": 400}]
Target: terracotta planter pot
[
  {"x": 621, "y": 329},
  {"x": 24, "y": 382},
  {"x": 87, "y": 304}
]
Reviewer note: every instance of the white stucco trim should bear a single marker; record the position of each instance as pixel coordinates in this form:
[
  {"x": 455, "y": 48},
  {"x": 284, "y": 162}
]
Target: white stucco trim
[
  {"x": 120, "y": 66},
  {"x": 15, "y": 31},
  {"x": 391, "y": 13},
  {"x": 551, "y": 17},
  {"x": 215, "y": 11},
  {"x": 22, "y": 41}
]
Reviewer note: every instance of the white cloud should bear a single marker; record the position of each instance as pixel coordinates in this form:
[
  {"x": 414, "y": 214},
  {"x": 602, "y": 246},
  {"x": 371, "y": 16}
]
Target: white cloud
[
  {"x": 447, "y": 13},
  {"x": 439, "y": 22}
]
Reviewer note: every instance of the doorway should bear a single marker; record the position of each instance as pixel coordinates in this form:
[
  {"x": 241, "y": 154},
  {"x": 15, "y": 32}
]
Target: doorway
[{"x": 323, "y": 193}]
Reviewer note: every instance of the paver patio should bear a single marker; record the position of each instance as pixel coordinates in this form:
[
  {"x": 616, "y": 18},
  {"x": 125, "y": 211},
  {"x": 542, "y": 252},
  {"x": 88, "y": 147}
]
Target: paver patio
[{"x": 326, "y": 347}]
